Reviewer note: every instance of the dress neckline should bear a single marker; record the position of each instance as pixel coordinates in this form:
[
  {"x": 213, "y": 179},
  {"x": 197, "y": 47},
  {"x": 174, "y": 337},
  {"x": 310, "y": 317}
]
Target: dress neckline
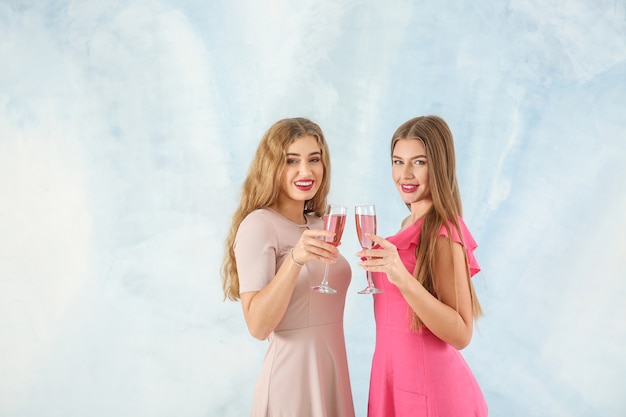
[{"x": 299, "y": 226}]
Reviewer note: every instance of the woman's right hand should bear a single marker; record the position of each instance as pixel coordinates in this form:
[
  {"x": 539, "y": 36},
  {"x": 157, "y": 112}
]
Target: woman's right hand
[
  {"x": 312, "y": 247},
  {"x": 384, "y": 258}
]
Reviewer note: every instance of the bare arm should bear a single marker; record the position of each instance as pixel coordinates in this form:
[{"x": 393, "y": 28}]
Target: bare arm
[
  {"x": 440, "y": 316},
  {"x": 263, "y": 310}
]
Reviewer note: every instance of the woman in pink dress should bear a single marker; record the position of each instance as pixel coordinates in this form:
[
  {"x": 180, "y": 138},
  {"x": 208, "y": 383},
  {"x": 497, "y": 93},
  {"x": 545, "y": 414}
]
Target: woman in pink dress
[
  {"x": 274, "y": 236},
  {"x": 426, "y": 313}
]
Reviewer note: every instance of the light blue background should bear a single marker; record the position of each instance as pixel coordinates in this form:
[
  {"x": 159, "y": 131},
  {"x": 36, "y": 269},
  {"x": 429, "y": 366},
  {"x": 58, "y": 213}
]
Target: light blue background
[{"x": 127, "y": 127}]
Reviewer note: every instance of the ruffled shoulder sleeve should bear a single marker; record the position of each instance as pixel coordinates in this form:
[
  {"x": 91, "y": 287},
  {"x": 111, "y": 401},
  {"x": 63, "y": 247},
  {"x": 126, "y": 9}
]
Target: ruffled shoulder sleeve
[
  {"x": 467, "y": 241},
  {"x": 408, "y": 237}
]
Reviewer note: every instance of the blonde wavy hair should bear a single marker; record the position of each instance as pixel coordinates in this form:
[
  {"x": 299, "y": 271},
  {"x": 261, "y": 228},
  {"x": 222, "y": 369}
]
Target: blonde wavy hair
[
  {"x": 436, "y": 136},
  {"x": 261, "y": 187}
]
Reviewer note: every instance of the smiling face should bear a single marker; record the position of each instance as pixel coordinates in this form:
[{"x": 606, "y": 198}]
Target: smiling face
[
  {"x": 410, "y": 172},
  {"x": 303, "y": 172}
]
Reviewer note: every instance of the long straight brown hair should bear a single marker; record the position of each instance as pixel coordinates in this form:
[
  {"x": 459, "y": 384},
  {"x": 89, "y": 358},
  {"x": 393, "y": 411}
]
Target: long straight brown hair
[
  {"x": 261, "y": 187},
  {"x": 436, "y": 136}
]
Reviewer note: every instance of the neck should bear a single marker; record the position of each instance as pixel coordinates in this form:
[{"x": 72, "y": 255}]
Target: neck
[
  {"x": 294, "y": 211},
  {"x": 419, "y": 210}
]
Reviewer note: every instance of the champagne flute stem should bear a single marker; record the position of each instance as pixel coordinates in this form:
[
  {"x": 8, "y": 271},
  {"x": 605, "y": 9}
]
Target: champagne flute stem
[
  {"x": 370, "y": 288},
  {"x": 325, "y": 279},
  {"x": 323, "y": 287},
  {"x": 370, "y": 283}
]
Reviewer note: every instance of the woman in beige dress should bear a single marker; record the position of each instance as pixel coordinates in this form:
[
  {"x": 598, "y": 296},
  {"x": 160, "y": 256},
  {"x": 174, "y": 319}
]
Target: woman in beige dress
[{"x": 274, "y": 253}]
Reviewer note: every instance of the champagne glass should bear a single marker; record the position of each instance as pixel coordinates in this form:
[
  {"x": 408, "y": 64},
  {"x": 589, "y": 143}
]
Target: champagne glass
[
  {"x": 365, "y": 219},
  {"x": 334, "y": 220}
]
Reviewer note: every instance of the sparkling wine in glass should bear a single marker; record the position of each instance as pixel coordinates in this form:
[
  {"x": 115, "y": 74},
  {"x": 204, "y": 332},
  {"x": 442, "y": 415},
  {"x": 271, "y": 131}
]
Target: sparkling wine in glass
[
  {"x": 365, "y": 219},
  {"x": 334, "y": 220}
]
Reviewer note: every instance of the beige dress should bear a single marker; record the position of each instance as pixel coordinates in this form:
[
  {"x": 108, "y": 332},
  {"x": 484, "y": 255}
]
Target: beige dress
[{"x": 305, "y": 371}]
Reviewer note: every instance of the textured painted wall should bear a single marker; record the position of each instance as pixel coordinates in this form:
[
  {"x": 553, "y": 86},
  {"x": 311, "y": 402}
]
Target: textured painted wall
[{"x": 126, "y": 128}]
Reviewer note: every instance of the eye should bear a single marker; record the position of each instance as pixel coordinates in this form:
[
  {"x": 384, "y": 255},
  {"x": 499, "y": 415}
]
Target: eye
[
  {"x": 397, "y": 162},
  {"x": 420, "y": 162},
  {"x": 291, "y": 161},
  {"x": 315, "y": 160}
]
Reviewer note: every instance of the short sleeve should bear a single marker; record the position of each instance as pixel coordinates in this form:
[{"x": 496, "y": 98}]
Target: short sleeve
[
  {"x": 467, "y": 242},
  {"x": 255, "y": 252}
]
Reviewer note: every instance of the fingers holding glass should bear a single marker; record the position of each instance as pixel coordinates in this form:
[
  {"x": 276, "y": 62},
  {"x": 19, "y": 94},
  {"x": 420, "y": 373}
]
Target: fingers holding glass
[{"x": 312, "y": 247}]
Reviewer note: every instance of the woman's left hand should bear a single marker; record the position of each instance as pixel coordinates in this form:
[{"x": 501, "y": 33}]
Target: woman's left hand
[{"x": 384, "y": 258}]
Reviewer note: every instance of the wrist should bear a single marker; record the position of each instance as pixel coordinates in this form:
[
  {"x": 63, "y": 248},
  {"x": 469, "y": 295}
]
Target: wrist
[
  {"x": 293, "y": 259},
  {"x": 400, "y": 279}
]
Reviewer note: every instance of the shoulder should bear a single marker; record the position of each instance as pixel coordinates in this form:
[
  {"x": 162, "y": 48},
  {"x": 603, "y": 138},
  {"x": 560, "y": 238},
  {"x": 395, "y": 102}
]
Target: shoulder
[
  {"x": 465, "y": 239},
  {"x": 258, "y": 221},
  {"x": 460, "y": 235},
  {"x": 258, "y": 215}
]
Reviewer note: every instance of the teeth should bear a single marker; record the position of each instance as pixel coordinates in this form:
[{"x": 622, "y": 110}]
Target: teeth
[{"x": 304, "y": 183}]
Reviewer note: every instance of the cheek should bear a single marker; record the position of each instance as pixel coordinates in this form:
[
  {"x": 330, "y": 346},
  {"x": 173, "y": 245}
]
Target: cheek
[
  {"x": 396, "y": 173},
  {"x": 319, "y": 171},
  {"x": 287, "y": 175}
]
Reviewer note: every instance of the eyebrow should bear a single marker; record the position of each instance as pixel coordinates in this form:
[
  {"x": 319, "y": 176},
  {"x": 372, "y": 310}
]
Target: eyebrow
[
  {"x": 414, "y": 157},
  {"x": 297, "y": 154}
]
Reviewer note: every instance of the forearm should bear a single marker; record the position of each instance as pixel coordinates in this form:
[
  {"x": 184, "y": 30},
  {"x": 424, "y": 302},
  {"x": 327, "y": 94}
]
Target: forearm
[
  {"x": 263, "y": 310},
  {"x": 441, "y": 319}
]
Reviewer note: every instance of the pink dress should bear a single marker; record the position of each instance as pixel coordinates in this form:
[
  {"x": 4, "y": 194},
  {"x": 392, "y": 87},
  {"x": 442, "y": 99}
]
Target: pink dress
[
  {"x": 416, "y": 373},
  {"x": 305, "y": 371}
]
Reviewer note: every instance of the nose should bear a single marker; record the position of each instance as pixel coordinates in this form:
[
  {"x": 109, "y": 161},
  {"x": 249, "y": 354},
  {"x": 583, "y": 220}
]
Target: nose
[
  {"x": 407, "y": 172},
  {"x": 304, "y": 168}
]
